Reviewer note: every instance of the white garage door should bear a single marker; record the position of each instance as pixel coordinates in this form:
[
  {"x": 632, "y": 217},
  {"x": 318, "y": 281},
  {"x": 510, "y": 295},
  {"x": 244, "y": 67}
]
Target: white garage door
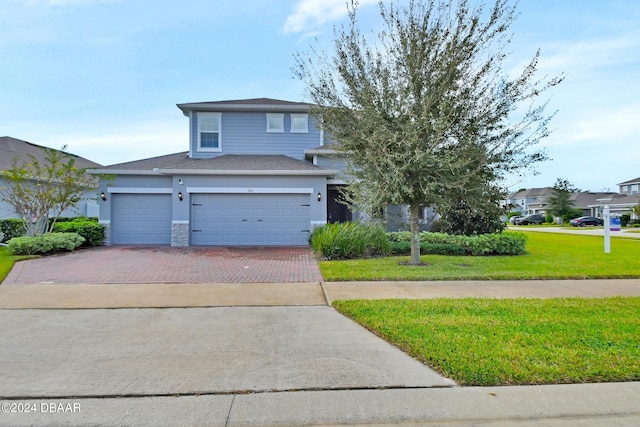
[
  {"x": 250, "y": 219},
  {"x": 141, "y": 219}
]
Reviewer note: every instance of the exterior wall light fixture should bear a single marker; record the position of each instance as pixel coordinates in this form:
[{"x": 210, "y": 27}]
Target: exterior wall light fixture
[
  {"x": 180, "y": 195},
  {"x": 319, "y": 196},
  {"x": 103, "y": 196}
]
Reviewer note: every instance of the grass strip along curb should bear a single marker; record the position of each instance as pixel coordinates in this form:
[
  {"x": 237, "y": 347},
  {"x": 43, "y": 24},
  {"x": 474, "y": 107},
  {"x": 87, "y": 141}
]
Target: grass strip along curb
[{"x": 489, "y": 342}]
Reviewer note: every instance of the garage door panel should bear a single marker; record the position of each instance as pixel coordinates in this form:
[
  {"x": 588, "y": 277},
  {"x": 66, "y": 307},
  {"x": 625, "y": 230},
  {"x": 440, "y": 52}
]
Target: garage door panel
[
  {"x": 141, "y": 219},
  {"x": 250, "y": 219}
]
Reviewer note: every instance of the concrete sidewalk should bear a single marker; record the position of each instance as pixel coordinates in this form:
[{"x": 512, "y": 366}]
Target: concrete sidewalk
[
  {"x": 582, "y": 405},
  {"x": 261, "y": 354},
  {"x": 157, "y": 295}
]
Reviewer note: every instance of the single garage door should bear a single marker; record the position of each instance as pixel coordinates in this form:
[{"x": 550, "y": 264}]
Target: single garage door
[
  {"x": 250, "y": 219},
  {"x": 141, "y": 219}
]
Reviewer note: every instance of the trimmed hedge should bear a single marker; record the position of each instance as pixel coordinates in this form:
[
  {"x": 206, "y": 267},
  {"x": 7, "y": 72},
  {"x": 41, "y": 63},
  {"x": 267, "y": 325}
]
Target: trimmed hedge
[
  {"x": 88, "y": 228},
  {"x": 349, "y": 240},
  {"x": 448, "y": 244},
  {"x": 45, "y": 243},
  {"x": 11, "y": 227}
]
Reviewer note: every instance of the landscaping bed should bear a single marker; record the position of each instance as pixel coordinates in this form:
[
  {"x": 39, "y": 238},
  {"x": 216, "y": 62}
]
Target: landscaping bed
[{"x": 548, "y": 256}]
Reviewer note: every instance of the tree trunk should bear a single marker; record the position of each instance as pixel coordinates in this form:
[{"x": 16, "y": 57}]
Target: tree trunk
[{"x": 415, "y": 233}]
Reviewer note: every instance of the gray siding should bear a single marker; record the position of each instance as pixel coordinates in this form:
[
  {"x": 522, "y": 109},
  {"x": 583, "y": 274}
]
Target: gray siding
[{"x": 245, "y": 133}]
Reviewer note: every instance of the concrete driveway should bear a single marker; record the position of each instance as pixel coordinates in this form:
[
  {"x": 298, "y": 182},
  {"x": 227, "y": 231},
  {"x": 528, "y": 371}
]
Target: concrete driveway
[
  {"x": 165, "y": 264},
  {"x": 192, "y": 351}
]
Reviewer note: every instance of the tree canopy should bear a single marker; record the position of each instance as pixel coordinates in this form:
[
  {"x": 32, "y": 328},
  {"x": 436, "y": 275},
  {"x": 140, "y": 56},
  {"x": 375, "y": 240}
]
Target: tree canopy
[
  {"x": 424, "y": 110},
  {"x": 560, "y": 203},
  {"x": 39, "y": 190}
]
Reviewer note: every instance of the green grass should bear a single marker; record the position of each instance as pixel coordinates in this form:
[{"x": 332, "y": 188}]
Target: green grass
[
  {"x": 549, "y": 256},
  {"x": 7, "y": 261},
  {"x": 507, "y": 342}
]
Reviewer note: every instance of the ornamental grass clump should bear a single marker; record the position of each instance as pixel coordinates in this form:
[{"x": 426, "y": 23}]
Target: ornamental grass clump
[{"x": 349, "y": 240}]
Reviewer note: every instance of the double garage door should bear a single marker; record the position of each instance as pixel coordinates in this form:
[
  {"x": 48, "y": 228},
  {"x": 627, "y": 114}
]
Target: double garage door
[
  {"x": 216, "y": 219},
  {"x": 250, "y": 219}
]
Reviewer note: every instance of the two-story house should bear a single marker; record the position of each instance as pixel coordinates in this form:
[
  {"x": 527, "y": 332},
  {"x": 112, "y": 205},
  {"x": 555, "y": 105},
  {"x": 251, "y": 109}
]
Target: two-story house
[
  {"x": 622, "y": 203},
  {"x": 257, "y": 172}
]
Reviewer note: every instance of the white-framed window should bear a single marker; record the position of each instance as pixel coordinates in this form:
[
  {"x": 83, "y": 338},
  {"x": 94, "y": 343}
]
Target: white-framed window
[
  {"x": 299, "y": 123},
  {"x": 634, "y": 189},
  {"x": 275, "y": 122},
  {"x": 209, "y": 131},
  {"x": 625, "y": 188}
]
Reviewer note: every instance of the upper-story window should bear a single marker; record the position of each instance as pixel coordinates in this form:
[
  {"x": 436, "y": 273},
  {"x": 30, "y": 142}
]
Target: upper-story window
[
  {"x": 634, "y": 189},
  {"x": 209, "y": 126},
  {"x": 275, "y": 122},
  {"x": 625, "y": 188},
  {"x": 299, "y": 123}
]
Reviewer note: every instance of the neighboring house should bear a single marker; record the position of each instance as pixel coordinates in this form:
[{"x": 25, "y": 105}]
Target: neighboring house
[
  {"x": 257, "y": 172},
  {"x": 12, "y": 148},
  {"x": 630, "y": 188},
  {"x": 536, "y": 201},
  {"x": 620, "y": 203},
  {"x": 531, "y": 201}
]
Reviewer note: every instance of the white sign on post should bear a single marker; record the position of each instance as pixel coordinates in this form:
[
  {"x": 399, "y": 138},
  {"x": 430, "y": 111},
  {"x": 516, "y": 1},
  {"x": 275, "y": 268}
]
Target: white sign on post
[{"x": 607, "y": 230}]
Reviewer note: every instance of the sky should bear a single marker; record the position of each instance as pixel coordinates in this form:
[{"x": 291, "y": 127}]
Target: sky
[{"x": 103, "y": 77}]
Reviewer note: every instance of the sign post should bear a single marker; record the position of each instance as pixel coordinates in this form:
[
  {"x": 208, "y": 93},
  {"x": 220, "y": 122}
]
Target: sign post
[{"x": 607, "y": 230}]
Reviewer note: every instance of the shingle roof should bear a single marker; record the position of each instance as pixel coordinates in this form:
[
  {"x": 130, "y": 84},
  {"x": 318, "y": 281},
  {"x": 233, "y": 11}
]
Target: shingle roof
[
  {"x": 531, "y": 192},
  {"x": 253, "y": 101},
  {"x": 252, "y": 104},
  {"x": 227, "y": 162},
  {"x": 248, "y": 162},
  {"x": 160, "y": 162},
  {"x": 631, "y": 181},
  {"x": 11, "y": 148}
]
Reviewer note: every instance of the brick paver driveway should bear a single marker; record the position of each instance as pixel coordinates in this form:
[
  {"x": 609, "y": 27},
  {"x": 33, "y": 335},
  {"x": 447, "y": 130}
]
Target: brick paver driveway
[{"x": 163, "y": 264}]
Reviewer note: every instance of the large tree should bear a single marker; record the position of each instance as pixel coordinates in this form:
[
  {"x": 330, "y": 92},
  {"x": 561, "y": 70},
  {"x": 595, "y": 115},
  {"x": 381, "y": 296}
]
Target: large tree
[
  {"x": 560, "y": 203},
  {"x": 38, "y": 190},
  {"x": 424, "y": 106}
]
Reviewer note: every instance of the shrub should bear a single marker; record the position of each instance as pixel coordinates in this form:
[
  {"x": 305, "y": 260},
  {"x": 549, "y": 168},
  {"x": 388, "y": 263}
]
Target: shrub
[
  {"x": 88, "y": 228},
  {"x": 548, "y": 219},
  {"x": 45, "y": 243},
  {"x": 625, "y": 219},
  {"x": 11, "y": 228},
  {"x": 349, "y": 240},
  {"x": 447, "y": 244}
]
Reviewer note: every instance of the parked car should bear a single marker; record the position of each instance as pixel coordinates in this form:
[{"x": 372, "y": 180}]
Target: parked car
[
  {"x": 586, "y": 220},
  {"x": 513, "y": 219},
  {"x": 530, "y": 219}
]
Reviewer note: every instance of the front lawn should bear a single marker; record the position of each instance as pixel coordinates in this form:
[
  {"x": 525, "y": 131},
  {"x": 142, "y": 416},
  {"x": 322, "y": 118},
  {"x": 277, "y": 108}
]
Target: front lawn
[
  {"x": 506, "y": 342},
  {"x": 549, "y": 256}
]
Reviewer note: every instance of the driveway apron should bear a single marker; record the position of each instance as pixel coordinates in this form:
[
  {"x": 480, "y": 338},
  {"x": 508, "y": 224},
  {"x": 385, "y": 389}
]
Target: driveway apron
[
  {"x": 173, "y": 351},
  {"x": 164, "y": 264}
]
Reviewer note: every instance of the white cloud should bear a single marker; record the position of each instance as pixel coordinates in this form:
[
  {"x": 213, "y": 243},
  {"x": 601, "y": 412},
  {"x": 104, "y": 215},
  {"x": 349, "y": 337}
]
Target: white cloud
[
  {"x": 310, "y": 14},
  {"x": 618, "y": 124},
  {"x": 137, "y": 142},
  {"x": 585, "y": 56}
]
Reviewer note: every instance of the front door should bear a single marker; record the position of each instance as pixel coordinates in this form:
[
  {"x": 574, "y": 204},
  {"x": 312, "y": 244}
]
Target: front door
[{"x": 337, "y": 209}]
